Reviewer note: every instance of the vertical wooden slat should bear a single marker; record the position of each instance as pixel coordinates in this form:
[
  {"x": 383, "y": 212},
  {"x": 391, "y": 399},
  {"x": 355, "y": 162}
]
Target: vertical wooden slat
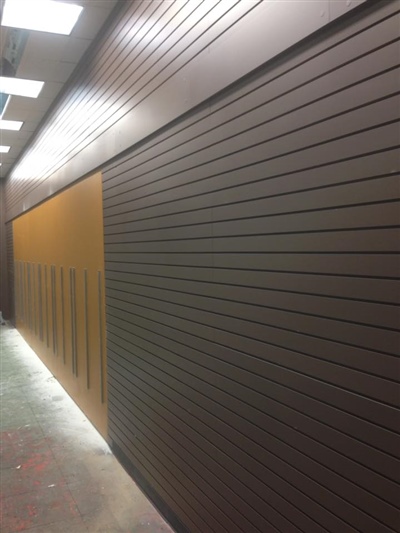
[
  {"x": 46, "y": 305},
  {"x": 62, "y": 313},
  {"x": 54, "y": 309},
  {"x": 40, "y": 294},
  {"x": 73, "y": 320},
  {"x": 101, "y": 333},
  {"x": 34, "y": 299}
]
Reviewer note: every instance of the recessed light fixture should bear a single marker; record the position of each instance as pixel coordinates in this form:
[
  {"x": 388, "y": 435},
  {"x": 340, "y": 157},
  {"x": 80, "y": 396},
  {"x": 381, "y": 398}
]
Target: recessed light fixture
[
  {"x": 4, "y": 101},
  {"x": 20, "y": 87},
  {"x": 4, "y": 149},
  {"x": 14, "y": 125},
  {"x": 41, "y": 15}
]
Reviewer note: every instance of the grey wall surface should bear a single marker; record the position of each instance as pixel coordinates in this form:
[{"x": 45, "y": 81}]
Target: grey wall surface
[{"x": 251, "y": 288}]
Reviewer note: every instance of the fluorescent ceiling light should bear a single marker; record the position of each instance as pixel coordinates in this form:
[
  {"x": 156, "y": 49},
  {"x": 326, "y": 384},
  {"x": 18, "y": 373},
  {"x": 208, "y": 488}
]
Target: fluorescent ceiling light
[
  {"x": 14, "y": 125},
  {"x": 41, "y": 15},
  {"x": 20, "y": 87},
  {"x": 4, "y": 149}
]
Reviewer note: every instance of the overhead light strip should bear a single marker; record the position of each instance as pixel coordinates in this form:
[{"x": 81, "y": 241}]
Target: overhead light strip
[
  {"x": 4, "y": 149},
  {"x": 41, "y": 15},
  {"x": 13, "y": 125},
  {"x": 20, "y": 87}
]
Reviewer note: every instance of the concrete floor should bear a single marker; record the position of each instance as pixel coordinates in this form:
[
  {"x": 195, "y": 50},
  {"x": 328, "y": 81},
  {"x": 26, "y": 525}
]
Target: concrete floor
[{"x": 57, "y": 473}]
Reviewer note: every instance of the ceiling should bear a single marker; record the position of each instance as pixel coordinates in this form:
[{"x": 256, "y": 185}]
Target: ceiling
[{"x": 50, "y": 58}]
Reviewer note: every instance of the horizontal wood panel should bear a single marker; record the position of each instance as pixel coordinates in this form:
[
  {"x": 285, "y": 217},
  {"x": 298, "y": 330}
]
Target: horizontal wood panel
[
  {"x": 263, "y": 140},
  {"x": 379, "y": 290},
  {"x": 271, "y": 445},
  {"x": 174, "y": 416},
  {"x": 382, "y": 391},
  {"x": 166, "y": 427},
  {"x": 279, "y": 219},
  {"x": 183, "y": 198},
  {"x": 364, "y": 312},
  {"x": 372, "y": 265},
  {"x": 284, "y": 319},
  {"x": 304, "y": 81},
  {"x": 315, "y": 242},
  {"x": 292, "y": 158}
]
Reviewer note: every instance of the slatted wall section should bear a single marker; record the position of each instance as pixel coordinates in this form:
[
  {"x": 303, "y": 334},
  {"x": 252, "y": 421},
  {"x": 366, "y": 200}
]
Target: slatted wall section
[
  {"x": 10, "y": 272},
  {"x": 147, "y": 44},
  {"x": 251, "y": 284}
]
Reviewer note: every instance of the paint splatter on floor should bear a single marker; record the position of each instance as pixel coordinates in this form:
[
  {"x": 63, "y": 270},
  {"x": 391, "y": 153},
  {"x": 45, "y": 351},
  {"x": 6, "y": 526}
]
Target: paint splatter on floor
[{"x": 57, "y": 473}]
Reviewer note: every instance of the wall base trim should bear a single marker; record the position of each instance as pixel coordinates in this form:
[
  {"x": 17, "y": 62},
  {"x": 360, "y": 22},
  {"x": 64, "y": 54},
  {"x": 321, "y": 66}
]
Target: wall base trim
[{"x": 147, "y": 489}]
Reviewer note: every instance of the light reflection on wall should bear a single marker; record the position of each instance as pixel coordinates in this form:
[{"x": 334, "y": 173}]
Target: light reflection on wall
[{"x": 90, "y": 108}]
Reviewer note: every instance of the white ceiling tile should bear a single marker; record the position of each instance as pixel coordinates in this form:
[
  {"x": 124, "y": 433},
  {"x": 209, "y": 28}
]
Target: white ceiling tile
[
  {"x": 62, "y": 71},
  {"x": 28, "y": 126},
  {"x": 7, "y": 138},
  {"x": 90, "y": 21},
  {"x": 50, "y": 90}
]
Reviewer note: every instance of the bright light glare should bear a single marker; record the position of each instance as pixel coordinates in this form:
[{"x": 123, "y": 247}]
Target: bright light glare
[
  {"x": 20, "y": 87},
  {"x": 14, "y": 125},
  {"x": 41, "y": 15},
  {"x": 4, "y": 149}
]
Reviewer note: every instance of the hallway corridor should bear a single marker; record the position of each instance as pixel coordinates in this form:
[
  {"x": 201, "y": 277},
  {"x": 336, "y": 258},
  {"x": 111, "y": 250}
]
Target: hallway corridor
[{"x": 57, "y": 473}]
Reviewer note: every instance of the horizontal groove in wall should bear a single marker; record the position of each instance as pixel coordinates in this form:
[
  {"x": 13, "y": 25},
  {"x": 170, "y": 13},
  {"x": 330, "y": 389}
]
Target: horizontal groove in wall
[
  {"x": 306, "y": 323},
  {"x": 252, "y": 263},
  {"x": 174, "y": 162},
  {"x": 207, "y": 460},
  {"x": 157, "y": 478},
  {"x": 340, "y": 287},
  {"x": 122, "y": 95},
  {"x": 361, "y": 241},
  {"x": 286, "y": 488},
  {"x": 367, "y": 313},
  {"x": 351, "y": 216},
  {"x": 244, "y": 172},
  {"x": 275, "y": 339},
  {"x": 206, "y": 118},
  {"x": 125, "y": 442},
  {"x": 225, "y": 415},
  {"x": 280, "y": 400},
  {"x": 236, "y": 513},
  {"x": 340, "y": 419},
  {"x": 114, "y": 55}
]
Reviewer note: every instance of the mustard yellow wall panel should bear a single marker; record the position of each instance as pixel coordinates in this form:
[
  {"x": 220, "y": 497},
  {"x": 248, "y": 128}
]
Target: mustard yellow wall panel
[{"x": 59, "y": 291}]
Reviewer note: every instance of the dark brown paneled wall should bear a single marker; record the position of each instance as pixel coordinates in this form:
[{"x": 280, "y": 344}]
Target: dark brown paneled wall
[{"x": 251, "y": 284}]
